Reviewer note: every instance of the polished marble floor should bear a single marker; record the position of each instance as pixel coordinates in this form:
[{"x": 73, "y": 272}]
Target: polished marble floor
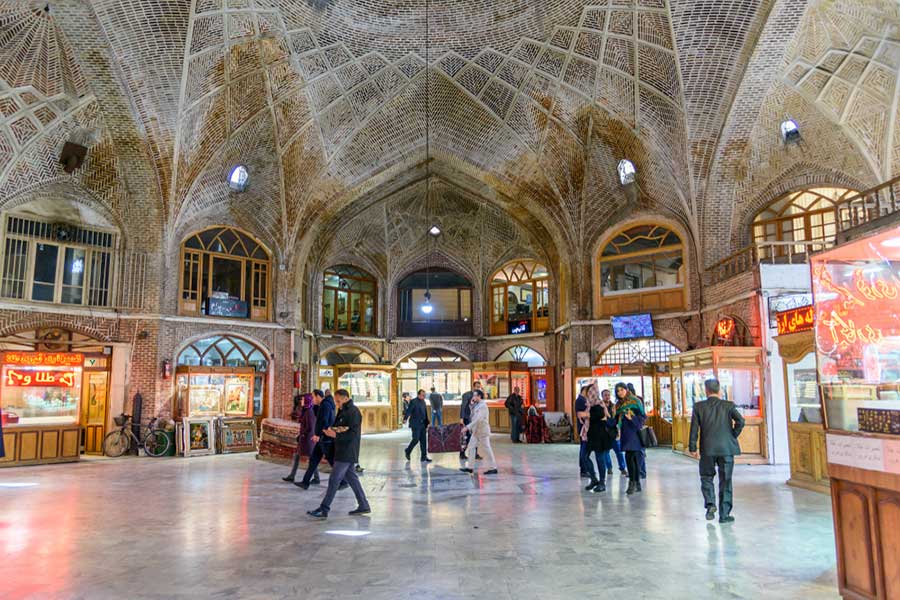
[{"x": 228, "y": 527}]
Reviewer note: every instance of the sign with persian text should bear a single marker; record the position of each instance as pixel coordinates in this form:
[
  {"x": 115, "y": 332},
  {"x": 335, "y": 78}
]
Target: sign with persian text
[
  {"x": 43, "y": 359},
  {"x": 796, "y": 320},
  {"x": 39, "y": 378}
]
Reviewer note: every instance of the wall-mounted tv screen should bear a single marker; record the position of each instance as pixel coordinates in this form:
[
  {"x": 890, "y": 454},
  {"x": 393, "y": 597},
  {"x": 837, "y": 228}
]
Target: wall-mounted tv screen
[{"x": 628, "y": 327}]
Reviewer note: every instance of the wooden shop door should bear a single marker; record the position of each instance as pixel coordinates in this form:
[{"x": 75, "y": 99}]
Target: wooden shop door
[{"x": 95, "y": 403}]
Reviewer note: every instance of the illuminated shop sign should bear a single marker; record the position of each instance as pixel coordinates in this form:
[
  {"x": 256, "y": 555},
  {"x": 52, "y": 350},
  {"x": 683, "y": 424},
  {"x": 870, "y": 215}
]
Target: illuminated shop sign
[
  {"x": 725, "y": 329},
  {"x": 39, "y": 378},
  {"x": 607, "y": 371},
  {"x": 43, "y": 359},
  {"x": 519, "y": 327},
  {"x": 795, "y": 320},
  {"x": 858, "y": 310}
]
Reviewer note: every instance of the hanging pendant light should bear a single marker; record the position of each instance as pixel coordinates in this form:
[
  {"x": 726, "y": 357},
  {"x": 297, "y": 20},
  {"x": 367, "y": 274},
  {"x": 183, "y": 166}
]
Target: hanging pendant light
[{"x": 427, "y": 307}]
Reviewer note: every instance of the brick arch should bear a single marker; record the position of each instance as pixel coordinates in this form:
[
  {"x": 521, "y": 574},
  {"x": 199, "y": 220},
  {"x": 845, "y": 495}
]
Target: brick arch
[
  {"x": 220, "y": 333},
  {"x": 59, "y": 321},
  {"x": 68, "y": 190},
  {"x": 429, "y": 346},
  {"x": 798, "y": 177},
  {"x": 338, "y": 344},
  {"x": 610, "y": 341}
]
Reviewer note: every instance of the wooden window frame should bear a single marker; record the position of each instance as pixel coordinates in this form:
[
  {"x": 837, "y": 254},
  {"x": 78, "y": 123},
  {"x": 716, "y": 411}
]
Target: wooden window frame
[
  {"x": 372, "y": 295},
  {"x": 190, "y": 300},
  {"x": 510, "y": 272}
]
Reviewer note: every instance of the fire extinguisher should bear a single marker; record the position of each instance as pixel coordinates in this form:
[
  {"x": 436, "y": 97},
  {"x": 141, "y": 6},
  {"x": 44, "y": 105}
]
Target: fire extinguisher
[
  {"x": 167, "y": 369},
  {"x": 297, "y": 379}
]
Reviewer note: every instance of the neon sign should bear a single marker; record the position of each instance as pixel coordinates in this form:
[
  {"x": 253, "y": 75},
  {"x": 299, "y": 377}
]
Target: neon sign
[
  {"x": 43, "y": 359},
  {"x": 33, "y": 378},
  {"x": 725, "y": 329},
  {"x": 607, "y": 371},
  {"x": 796, "y": 319},
  {"x": 520, "y": 327}
]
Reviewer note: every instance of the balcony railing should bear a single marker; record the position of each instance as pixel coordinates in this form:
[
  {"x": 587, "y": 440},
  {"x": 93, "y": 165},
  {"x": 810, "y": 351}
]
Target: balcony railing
[
  {"x": 877, "y": 202},
  {"x": 434, "y": 329}
]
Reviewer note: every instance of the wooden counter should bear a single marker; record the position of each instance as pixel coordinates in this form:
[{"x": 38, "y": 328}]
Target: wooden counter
[
  {"x": 376, "y": 417},
  {"x": 40, "y": 445}
]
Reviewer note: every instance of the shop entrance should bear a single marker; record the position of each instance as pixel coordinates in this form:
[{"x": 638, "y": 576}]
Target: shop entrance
[
  {"x": 449, "y": 373},
  {"x": 369, "y": 384},
  {"x": 644, "y": 364}
]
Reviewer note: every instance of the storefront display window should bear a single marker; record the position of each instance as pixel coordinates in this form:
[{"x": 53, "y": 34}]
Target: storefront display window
[
  {"x": 451, "y": 384},
  {"x": 803, "y": 398},
  {"x": 39, "y": 388},
  {"x": 367, "y": 387},
  {"x": 857, "y": 296}
]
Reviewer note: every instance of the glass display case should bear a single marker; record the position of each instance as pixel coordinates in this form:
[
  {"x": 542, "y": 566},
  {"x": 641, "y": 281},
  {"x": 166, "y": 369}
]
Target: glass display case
[
  {"x": 498, "y": 380},
  {"x": 370, "y": 390},
  {"x": 739, "y": 371},
  {"x": 449, "y": 383},
  {"x": 215, "y": 391}
]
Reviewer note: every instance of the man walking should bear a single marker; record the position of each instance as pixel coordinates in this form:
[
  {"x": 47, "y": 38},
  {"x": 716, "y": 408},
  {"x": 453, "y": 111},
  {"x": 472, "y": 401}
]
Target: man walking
[
  {"x": 720, "y": 423},
  {"x": 417, "y": 414},
  {"x": 513, "y": 405},
  {"x": 322, "y": 448},
  {"x": 437, "y": 408},
  {"x": 480, "y": 427},
  {"x": 346, "y": 433},
  {"x": 465, "y": 415}
]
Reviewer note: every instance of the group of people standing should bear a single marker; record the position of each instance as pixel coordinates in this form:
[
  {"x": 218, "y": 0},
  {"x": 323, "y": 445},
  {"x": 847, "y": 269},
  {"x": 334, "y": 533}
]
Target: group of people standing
[{"x": 603, "y": 427}]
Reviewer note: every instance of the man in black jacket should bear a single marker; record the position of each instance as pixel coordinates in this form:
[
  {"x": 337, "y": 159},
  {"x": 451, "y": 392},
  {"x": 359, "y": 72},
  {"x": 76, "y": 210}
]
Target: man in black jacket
[
  {"x": 323, "y": 444},
  {"x": 465, "y": 413},
  {"x": 719, "y": 423},
  {"x": 516, "y": 415},
  {"x": 346, "y": 433},
  {"x": 417, "y": 413}
]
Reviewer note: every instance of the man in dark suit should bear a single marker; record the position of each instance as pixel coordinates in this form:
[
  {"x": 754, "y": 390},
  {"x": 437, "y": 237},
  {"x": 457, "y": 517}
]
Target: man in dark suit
[
  {"x": 323, "y": 444},
  {"x": 513, "y": 406},
  {"x": 346, "y": 433},
  {"x": 417, "y": 413},
  {"x": 719, "y": 423}
]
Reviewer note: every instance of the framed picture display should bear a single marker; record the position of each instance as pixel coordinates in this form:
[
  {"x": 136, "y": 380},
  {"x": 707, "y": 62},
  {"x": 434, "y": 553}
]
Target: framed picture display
[
  {"x": 238, "y": 394},
  {"x": 205, "y": 400},
  {"x": 238, "y": 435},
  {"x": 199, "y": 436},
  {"x": 179, "y": 438}
]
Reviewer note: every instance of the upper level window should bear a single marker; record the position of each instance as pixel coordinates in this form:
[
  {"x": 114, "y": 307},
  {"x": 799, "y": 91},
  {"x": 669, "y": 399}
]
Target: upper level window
[
  {"x": 348, "y": 300},
  {"x": 520, "y": 298},
  {"x": 646, "y": 256},
  {"x": 225, "y": 273},
  {"x": 803, "y": 216},
  {"x": 57, "y": 262},
  {"x": 450, "y": 301}
]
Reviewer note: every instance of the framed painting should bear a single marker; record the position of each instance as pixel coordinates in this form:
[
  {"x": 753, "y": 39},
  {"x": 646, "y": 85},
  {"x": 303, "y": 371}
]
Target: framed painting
[
  {"x": 204, "y": 400},
  {"x": 199, "y": 436},
  {"x": 238, "y": 393},
  {"x": 238, "y": 436}
]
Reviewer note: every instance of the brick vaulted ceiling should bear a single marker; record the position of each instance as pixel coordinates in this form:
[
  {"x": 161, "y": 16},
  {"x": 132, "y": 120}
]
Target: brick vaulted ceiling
[{"x": 532, "y": 104}]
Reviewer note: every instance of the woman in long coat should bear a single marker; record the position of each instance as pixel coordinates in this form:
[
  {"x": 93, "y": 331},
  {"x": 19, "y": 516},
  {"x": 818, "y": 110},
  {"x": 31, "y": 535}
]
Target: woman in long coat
[
  {"x": 600, "y": 436},
  {"x": 307, "y": 419},
  {"x": 630, "y": 417}
]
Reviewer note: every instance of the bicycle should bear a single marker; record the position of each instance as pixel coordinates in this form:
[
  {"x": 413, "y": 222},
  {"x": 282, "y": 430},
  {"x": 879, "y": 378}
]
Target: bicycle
[{"x": 116, "y": 443}]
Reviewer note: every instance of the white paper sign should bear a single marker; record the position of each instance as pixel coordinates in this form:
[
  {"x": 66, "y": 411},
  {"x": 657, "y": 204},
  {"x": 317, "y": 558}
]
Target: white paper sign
[
  {"x": 859, "y": 452},
  {"x": 892, "y": 456}
]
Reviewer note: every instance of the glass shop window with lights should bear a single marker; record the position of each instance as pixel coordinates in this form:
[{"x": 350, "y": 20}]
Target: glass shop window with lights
[
  {"x": 520, "y": 298},
  {"x": 225, "y": 273},
  {"x": 348, "y": 301},
  {"x": 57, "y": 262}
]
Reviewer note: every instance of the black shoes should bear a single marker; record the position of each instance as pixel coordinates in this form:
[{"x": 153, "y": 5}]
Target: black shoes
[
  {"x": 462, "y": 455},
  {"x": 623, "y": 472},
  {"x": 467, "y": 470},
  {"x": 609, "y": 471},
  {"x": 491, "y": 472},
  {"x": 360, "y": 469},
  {"x": 302, "y": 485},
  {"x": 592, "y": 484},
  {"x": 315, "y": 481},
  {"x": 631, "y": 488},
  {"x": 360, "y": 511},
  {"x": 600, "y": 487},
  {"x": 407, "y": 453},
  {"x": 427, "y": 460},
  {"x": 477, "y": 456},
  {"x": 637, "y": 486},
  {"x": 728, "y": 519},
  {"x": 318, "y": 513},
  {"x": 288, "y": 479},
  {"x": 710, "y": 513}
]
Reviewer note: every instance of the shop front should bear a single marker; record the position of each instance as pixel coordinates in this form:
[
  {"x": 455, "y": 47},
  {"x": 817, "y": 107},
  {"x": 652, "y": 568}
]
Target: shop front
[
  {"x": 221, "y": 388},
  {"x": 450, "y": 374},
  {"x": 41, "y": 406},
  {"x": 806, "y": 431},
  {"x": 370, "y": 386},
  {"x": 498, "y": 380},
  {"x": 740, "y": 372},
  {"x": 857, "y": 337}
]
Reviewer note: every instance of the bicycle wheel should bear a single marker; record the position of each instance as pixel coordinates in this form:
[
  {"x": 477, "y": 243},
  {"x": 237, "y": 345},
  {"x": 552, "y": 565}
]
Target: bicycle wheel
[
  {"x": 116, "y": 443},
  {"x": 156, "y": 443}
]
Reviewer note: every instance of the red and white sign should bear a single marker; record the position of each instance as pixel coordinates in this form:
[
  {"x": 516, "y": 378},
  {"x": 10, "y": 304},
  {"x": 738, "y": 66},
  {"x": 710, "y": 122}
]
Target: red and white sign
[
  {"x": 43, "y": 359},
  {"x": 795, "y": 320},
  {"x": 607, "y": 371},
  {"x": 13, "y": 377}
]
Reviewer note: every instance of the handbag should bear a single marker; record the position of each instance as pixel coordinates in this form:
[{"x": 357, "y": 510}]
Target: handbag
[{"x": 648, "y": 437}]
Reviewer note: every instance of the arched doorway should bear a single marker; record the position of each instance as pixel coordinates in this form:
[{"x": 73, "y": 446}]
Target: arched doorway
[
  {"x": 370, "y": 384},
  {"x": 447, "y": 371},
  {"x": 69, "y": 412},
  {"x": 222, "y": 375},
  {"x": 541, "y": 384}
]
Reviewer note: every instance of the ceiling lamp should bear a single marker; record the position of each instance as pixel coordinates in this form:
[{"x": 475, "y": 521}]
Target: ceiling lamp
[
  {"x": 627, "y": 171},
  {"x": 427, "y": 307},
  {"x": 435, "y": 231},
  {"x": 238, "y": 178},
  {"x": 790, "y": 131}
]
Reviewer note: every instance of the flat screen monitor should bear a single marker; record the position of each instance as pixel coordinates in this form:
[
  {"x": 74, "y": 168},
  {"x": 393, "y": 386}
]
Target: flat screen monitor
[{"x": 628, "y": 327}]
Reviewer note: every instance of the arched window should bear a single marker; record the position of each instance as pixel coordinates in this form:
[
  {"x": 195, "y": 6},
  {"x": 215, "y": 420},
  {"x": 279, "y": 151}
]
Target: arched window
[
  {"x": 804, "y": 216},
  {"x": 348, "y": 300},
  {"x": 522, "y": 354},
  {"x": 653, "y": 350},
  {"x": 346, "y": 356},
  {"x": 447, "y": 309},
  {"x": 520, "y": 298},
  {"x": 225, "y": 273},
  {"x": 642, "y": 268}
]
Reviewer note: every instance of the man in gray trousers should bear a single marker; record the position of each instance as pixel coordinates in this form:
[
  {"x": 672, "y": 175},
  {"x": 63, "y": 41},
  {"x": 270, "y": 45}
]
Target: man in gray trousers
[{"x": 719, "y": 423}]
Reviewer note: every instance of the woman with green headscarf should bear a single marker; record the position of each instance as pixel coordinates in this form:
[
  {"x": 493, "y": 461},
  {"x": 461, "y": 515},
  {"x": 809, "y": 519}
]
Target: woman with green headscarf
[{"x": 630, "y": 417}]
